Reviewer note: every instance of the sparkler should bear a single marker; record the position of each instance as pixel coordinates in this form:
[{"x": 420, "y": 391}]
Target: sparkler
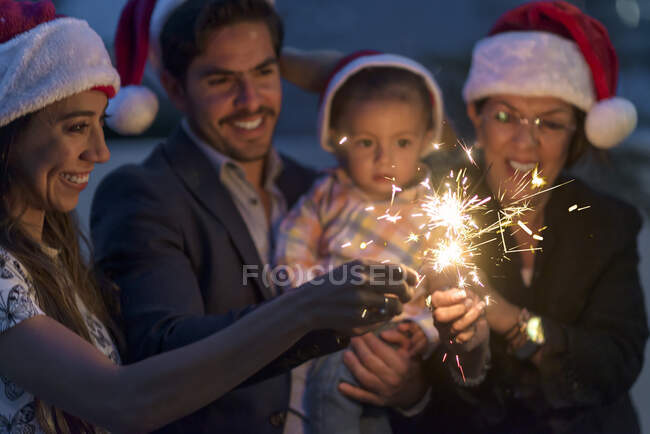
[
  {"x": 365, "y": 244},
  {"x": 468, "y": 152},
  {"x": 537, "y": 180},
  {"x": 460, "y": 368},
  {"x": 451, "y": 213},
  {"x": 452, "y": 231},
  {"x": 413, "y": 238},
  {"x": 574, "y": 207}
]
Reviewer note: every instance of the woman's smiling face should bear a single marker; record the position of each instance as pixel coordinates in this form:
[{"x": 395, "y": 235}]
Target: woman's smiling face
[
  {"x": 518, "y": 134},
  {"x": 56, "y": 152}
]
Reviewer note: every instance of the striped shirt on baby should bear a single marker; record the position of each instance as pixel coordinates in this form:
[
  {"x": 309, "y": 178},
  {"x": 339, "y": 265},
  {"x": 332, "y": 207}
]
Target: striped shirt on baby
[{"x": 336, "y": 223}]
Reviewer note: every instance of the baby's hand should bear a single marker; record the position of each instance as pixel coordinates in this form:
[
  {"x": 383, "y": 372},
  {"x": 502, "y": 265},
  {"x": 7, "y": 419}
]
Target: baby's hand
[{"x": 417, "y": 340}]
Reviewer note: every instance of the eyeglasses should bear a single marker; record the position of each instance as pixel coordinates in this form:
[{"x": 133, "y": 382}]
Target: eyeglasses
[{"x": 509, "y": 122}]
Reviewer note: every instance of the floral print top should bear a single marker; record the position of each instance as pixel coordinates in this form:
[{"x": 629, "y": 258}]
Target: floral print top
[{"x": 18, "y": 303}]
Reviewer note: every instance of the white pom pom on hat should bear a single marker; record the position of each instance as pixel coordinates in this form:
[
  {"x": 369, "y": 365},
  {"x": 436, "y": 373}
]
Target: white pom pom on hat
[
  {"x": 132, "y": 110},
  {"x": 135, "y": 107},
  {"x": 551, "y": 48},
  {"x": 137, "y": 41},
  {"x": 610, "y": 121}
]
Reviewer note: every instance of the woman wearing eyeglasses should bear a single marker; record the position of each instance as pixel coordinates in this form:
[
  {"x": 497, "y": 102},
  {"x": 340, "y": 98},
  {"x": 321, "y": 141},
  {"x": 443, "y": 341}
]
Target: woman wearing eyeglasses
[
  {"x": 567, "y": 318},
  {"x": 568, "y": 325}
]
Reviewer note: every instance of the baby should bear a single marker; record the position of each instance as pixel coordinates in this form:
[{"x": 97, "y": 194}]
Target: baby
[{"x": 380, "y": 114}]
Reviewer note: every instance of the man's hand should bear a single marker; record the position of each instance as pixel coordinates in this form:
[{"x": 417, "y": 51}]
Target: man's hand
[
  {"x": 387, "y": 376},
  {"x": 415, "y": 340}
]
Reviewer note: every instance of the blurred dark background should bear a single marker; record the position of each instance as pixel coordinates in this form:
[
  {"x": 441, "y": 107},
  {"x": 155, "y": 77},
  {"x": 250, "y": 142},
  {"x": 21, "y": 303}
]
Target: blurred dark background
[{"x": 440, "y": 34}]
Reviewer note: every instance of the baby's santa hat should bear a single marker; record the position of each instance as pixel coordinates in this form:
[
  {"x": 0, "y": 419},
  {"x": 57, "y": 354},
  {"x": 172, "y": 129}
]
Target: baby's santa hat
[
  {"x": 137, "y": 41},
  {"x": 551, "y": 48},
  {"x": 360, "y": 60},
  {"x": 45, "y": 58}
]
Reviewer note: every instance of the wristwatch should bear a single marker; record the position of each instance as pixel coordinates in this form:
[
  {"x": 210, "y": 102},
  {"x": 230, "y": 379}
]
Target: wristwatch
[{"x": 533, "y": 330}]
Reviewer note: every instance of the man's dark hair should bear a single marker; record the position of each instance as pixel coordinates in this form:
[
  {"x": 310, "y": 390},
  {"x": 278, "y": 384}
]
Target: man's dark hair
[{"x": 185, "y": 34}]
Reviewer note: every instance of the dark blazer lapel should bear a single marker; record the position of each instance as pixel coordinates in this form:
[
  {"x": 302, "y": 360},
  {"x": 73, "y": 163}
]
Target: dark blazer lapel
[
  {"x": 294, "y": 180},
  {"x": 202, "y": 180}
]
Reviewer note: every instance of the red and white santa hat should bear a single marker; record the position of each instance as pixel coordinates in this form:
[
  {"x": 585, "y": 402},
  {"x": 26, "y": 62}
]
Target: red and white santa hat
[
  {"x": 551, "y": 48},
  {"x": 359, "y": 60},
  {"x": 45, "y": 58},
  {"x": 137, "y": 41}
]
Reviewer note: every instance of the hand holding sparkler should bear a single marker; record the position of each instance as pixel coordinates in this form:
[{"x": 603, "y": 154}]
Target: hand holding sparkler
[
  {"x": 459, "y": 317},
  {"x": 464, "y": 332}
]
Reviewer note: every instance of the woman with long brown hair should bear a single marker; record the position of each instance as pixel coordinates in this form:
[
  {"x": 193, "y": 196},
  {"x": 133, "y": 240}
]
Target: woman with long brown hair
[{"x": 59, "y": 362}]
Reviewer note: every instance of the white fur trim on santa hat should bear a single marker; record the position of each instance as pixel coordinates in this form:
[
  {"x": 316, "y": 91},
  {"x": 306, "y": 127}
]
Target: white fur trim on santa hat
[
  {"x": 371, "y": 60},
  {"x": 610, "y": 121},
  {"x": 530, "y": 63},
  {"x": 132, "y": 110},
  {"x": 534, "y": 63},
  {"x": 51, "y": 62}
]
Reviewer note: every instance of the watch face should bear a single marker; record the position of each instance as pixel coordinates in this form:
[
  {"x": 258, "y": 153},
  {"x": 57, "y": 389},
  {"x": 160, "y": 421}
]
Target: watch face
[{"x": 534, "y": 330}]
